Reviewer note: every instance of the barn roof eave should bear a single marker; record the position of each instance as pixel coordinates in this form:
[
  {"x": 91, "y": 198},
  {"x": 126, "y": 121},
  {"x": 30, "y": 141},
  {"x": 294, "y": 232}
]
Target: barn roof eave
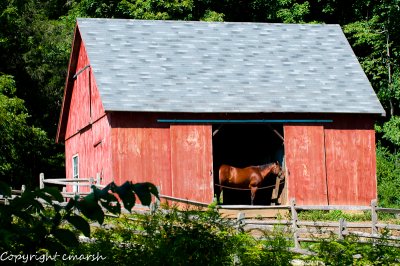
[{"x": 63, "y": 119}]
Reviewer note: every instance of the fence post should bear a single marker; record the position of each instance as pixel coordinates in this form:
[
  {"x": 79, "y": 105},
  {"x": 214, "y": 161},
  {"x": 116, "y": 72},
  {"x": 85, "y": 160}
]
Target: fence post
[
  {"x": 23, "y": 188},
  {"x": 294, "y": 223},
  {"x": 41, "y": 180},
  {"x": 240, "y": 221},
  {"x": 159, "y": 193},
  {"x": 374, "y": 216},
  {"x": 91, "y": 182},
  {"x": 342, "y": 227},
  {"x": 154, "y": 205},
  {"x": 97, "y": 178}
]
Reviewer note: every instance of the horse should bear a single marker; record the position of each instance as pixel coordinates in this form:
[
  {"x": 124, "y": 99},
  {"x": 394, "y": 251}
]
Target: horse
[{"x": 249, "y": 177}]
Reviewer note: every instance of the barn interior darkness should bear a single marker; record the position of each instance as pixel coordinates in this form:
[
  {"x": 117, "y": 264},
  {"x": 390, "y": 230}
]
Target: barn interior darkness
[{"x": 242, "y": 145}]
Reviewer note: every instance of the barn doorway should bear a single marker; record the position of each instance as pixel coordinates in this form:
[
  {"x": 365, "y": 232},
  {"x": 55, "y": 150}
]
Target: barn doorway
[{"x": 242, "y": 145}]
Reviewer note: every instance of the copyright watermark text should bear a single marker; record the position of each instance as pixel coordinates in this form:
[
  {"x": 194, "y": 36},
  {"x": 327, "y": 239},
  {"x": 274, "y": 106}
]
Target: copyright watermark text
[{"x": 41, "y": 258}]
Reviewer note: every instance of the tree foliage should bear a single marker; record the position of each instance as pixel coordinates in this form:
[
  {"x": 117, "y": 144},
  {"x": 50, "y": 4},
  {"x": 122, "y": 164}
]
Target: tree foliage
[
  {"x": 35, "y": 222},
  {"x": 20, "y": 143}
]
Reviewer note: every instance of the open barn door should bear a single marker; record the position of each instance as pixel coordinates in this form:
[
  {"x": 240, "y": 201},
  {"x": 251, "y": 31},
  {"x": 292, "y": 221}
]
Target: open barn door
[
  {"x": 305, "y": 163},
  {"x": 191, "y": 161},
  {"x": 241, "y": 145}
]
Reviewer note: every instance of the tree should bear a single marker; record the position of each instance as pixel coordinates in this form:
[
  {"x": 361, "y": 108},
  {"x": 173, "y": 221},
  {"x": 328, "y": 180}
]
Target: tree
[{"x": 20, "y": 143}]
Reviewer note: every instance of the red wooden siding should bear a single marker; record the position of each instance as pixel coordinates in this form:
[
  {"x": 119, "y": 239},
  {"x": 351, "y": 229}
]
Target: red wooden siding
[
  {"x": 141, "y": 150},
  {"x": 93, "y": 148},
  {"x": 351, "y": 162},
  {"x": 88, "y": 132},
  {"x": 191, "y": 162},
  {"x": 79, "y": 110},
  {"x": 333, "y": 164},
  {"x": 305, "y": 163}
]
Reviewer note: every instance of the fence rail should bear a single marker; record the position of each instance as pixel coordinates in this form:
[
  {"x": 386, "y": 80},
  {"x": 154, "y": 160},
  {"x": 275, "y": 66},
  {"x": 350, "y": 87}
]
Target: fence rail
[
  {"x": 301, "y": 230},
  {"x": 79, "y": 182},
  {"x": 312, "y": 231}
]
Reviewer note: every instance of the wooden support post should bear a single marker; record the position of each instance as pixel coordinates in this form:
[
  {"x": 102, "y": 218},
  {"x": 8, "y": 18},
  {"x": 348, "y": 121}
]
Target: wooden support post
[
  {"x": 275, "y": 192},
  {"x": 91, "y": 182},
  {"x": 23, "y": 188},
  {"x": 98, "y": 180},
  {"x": 240, "y": 221},
  {"x": 374, "y": 216},
  {"x": 154, "y": 205},
  {"x": 294, "y": 223},
  {"x": 41, "y": 180},
  {"x": 342, "y": 227},
  {"x": 159, "y": 193}
]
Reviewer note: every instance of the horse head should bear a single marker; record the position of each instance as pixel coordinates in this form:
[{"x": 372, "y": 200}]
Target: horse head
[{"x": 278, "y": 171}]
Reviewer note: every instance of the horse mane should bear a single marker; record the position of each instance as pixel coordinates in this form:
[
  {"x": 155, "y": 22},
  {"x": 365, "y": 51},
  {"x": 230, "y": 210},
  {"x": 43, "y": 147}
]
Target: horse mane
[
  {"x": 263, "y": 166},
  {"x": 264, "y": 171}
]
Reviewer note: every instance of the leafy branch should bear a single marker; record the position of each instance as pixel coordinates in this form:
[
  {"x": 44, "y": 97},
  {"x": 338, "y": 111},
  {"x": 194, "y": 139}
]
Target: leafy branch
[{"x": 38, "y": 220}]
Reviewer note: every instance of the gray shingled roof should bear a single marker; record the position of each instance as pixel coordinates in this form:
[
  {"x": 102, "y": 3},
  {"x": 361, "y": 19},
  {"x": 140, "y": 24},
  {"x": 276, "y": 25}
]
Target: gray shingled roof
[{"x": 177, "y": 66}]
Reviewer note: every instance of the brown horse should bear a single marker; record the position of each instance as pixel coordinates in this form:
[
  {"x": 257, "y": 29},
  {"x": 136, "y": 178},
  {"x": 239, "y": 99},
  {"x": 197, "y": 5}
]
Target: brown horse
[{"x": 247, "y": 178}]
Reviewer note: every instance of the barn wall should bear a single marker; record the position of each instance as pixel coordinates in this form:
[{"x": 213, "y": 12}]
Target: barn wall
[
  {"x": 93, "y": 146},
  {"x": 305, "y": 164},
  {"x": 88, "y": 131},
  {"x": 192, "y": 162},
  {"x": 351, "y": 161},
  {"x": 141, "y": 150},
  {"x": 333, "y": 163},
  {"x": 79, "y": 110}
]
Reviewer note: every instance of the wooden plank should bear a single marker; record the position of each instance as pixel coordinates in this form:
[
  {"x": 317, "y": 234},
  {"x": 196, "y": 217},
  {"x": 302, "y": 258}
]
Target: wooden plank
[
  {"x": 253, "y": 207},
  {"x": 305, "y": 163},
  {"x": 79, "y": 112},
  {"x": 192, "y": 162},
  {"x": 333, "y": 207},
  {"x": 141, "y": 150},
  {"x": 351, "y": 161},
  {"x": 254, "y": 213}
]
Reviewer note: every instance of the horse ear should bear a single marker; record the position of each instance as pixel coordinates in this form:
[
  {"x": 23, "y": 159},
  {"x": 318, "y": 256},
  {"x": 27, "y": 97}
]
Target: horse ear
[{"x": 277, "y": 162}]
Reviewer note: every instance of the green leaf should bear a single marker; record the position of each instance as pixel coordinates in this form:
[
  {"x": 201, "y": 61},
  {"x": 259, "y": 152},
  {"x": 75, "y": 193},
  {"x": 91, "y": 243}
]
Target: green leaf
[
  {"x": 144, "y": 191},
  {"x": 54, "y": 246},
  {"x": 56, "y": 219},
  {"x": 113, "y": 207},
  {"x": 79, "y": 223},
  {"x": 125, "y": 193},
  {"x": 91, "y": 209},
  {"x": 5, "y": 189},
  {"x": 71, "y": 204},
  {"x": 66, "y": 237},
  {"x": 55, "y": 193},
  {"x": 111, "y": 203}
]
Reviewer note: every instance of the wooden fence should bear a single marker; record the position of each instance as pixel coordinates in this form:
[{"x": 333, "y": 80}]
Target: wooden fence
[
  {"x": 79, "y": 182},
  {"x": 300, "y": 231},
  {"x": 312, "y": 231}
]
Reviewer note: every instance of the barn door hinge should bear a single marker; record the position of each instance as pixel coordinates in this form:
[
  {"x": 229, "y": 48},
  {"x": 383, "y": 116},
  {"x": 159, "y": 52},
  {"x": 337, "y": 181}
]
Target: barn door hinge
[{"x": 80, "y": 71}]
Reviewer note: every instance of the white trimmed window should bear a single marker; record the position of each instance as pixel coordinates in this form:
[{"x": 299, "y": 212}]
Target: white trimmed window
[{"x": 75, "y": 171}]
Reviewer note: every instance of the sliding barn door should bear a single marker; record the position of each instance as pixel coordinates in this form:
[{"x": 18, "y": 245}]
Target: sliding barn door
[
  {"x": 191, "y": 162},
  {"x": 351, "y": 162},
  {"x": 305, "y": 163}
]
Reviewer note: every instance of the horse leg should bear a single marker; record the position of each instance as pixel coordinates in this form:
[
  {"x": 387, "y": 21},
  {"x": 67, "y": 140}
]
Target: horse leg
[{"x": 253, "y": 194}]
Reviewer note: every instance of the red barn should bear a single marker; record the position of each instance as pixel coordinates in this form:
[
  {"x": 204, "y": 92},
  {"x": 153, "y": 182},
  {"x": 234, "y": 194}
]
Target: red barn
[{"x": 170, "y": 101}]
